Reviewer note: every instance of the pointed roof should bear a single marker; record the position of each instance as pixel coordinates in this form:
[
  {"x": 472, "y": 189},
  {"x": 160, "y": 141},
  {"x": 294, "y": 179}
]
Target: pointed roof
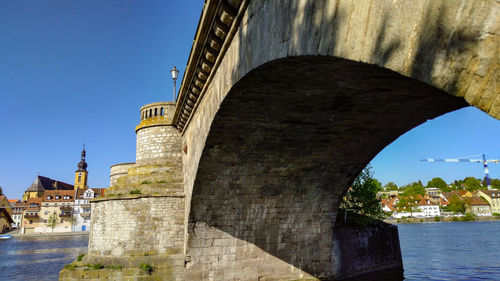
[
  {"x": 43, "y": 183},
  {"x": 82, "y": 165},
  {"x": 37, "y": 184}
]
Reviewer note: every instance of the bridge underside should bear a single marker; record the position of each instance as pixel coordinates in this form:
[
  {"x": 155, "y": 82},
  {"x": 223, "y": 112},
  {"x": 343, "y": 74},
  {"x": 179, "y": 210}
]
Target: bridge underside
[{"x": 287, "y": 141}]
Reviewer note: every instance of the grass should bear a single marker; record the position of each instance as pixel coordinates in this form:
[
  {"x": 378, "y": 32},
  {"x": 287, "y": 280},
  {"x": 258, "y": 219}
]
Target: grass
[
  {"x": 70, "y": 266},
  {"x": 146, "y": 267},
  {"x": 94, "y": 266},
  {"x": 114, "y": 266},
  {"x": 80, "y": 257},
  {"x": 137, "y": 191},
  {"x": 146, "y": 182}
]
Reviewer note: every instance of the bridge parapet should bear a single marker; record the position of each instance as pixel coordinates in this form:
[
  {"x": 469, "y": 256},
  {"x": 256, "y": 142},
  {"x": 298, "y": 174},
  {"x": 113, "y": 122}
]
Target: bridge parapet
[{"x": 219, "y": 21}]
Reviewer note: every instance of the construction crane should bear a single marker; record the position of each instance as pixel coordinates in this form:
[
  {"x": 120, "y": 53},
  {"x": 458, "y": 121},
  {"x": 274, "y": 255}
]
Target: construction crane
[{"x": 456, "y": 160}]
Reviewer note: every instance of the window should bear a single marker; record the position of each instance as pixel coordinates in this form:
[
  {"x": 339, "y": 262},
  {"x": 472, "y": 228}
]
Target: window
[
  {"x": 62, "y": 221},
  {"x": 31, "y": 221},
  {"x": 58, "y": 197},
  {"x": 46, "y": 212},
  {"x": 45, "y": 221},
  {"x": 49, "y": 197},
  {"x": 66, "y": 197},
  {"x": 79, "y": 177}
]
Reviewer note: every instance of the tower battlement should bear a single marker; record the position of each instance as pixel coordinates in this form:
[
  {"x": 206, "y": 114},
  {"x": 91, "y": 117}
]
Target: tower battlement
[{"x": 157, "y": 139}]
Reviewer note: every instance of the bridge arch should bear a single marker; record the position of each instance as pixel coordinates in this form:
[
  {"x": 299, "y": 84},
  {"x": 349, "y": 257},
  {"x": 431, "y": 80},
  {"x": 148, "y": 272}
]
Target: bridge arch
[{"x": 306, "y": 95}]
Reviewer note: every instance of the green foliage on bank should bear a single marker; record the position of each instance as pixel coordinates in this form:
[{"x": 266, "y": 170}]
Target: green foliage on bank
[
  {"x": 80, "y": 257},
  {"x": 362, "y": 196}
]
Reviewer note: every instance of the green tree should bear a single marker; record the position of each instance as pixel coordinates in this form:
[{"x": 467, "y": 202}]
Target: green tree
[
  {"x": 495, "y": 183},
  {"x": 391, "y": 186},
  {"x": 52, "y": 221},
  {"x": 408, "y": 204},
  {"x": 362, "y": 196},
  {"x": 457, "y": 205},
  {"x": 438, "y": 183},
  {"x": 472, "y": 184},
  {"x": 411, "y": 196},
  {"x": 414, "y": 188},
  {"x": 1, "y": 191}
]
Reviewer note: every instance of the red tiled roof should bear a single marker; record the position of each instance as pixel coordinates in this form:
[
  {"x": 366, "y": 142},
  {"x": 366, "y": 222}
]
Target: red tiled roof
[
  {"x": 37, "y": 201},
  {"x": 426, "y": 202},
  {"x": 389, "y": 203},
  {"x": 476, "y": 200},
  {"x": 492, "y": 193},
  {"x": 61, "y": 193},
  {"x": 99, "y": 191}
]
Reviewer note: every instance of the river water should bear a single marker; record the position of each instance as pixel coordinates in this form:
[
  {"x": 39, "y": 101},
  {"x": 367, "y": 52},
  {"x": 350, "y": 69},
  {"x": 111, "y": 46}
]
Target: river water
[
  {"x": 431, "y": 251},
  {"x": 38, "y": 258},
  {"x": 451, "y": 250}
]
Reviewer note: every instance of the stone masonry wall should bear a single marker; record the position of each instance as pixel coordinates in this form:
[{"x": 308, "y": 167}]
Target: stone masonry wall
[
  {"x": 118, "y": 171},
  {"x": 369, "y": 252},
  {"x": 130, "y": 231},
  {"x": 156, "y": 144}
]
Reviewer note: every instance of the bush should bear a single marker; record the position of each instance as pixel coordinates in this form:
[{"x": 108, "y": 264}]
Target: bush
[
  {"x": 146, "y": 267},
  {"x": 145, "y": 182},
  {"x": 115, "y": 266},
  {"x": 437, "y": 218},
  {"x": 137, "y": 191},
  {"x": 80, "y": 257},
  {"x": 496, "y": 214},
  {"x": 469, "y": 217},
  {"x": 454, "y": 219}
]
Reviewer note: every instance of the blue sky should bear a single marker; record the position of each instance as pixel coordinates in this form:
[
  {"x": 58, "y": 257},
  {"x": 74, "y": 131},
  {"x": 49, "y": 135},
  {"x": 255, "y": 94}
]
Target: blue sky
[{"x": 78, "y": 71}]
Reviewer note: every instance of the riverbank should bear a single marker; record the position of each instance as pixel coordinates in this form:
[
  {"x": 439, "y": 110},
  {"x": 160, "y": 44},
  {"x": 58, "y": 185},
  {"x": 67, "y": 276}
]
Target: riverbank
[
  {"x": 16, "y": 234},
  {"x": 441, "y": 219}
]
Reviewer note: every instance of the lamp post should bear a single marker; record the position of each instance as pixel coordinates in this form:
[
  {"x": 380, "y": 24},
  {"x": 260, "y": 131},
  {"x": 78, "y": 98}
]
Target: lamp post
[{"x": 174, "y": 73}]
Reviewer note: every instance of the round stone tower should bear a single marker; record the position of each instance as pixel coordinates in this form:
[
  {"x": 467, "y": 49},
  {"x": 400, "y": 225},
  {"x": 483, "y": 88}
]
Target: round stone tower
[{"x": 157, "y": 138}]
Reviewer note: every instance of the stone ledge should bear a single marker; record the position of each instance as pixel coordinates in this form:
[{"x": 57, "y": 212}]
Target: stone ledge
[{"x": 136, "y": 196}]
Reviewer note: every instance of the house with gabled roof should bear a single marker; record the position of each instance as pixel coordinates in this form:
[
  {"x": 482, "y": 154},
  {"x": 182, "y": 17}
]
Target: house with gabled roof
[
  {"x": 478, "y": 206},
  {"x": 492, "y": 197}
]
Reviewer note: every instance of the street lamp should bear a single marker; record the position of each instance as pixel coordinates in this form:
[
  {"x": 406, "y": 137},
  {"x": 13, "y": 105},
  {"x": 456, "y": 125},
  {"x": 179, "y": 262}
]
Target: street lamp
[{"x": 174, "y": 73}]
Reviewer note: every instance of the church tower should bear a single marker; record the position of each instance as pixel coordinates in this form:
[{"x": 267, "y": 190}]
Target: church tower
[{"x": 81, "y": 173}]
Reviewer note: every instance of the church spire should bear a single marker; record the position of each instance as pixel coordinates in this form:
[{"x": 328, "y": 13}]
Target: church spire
[
  {"x": 82, "y": 165},
  {"x": 81, "y": 173}
]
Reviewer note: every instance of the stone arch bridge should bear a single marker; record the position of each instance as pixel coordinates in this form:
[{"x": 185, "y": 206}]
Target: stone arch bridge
[{"x": 281, "y": 106}]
